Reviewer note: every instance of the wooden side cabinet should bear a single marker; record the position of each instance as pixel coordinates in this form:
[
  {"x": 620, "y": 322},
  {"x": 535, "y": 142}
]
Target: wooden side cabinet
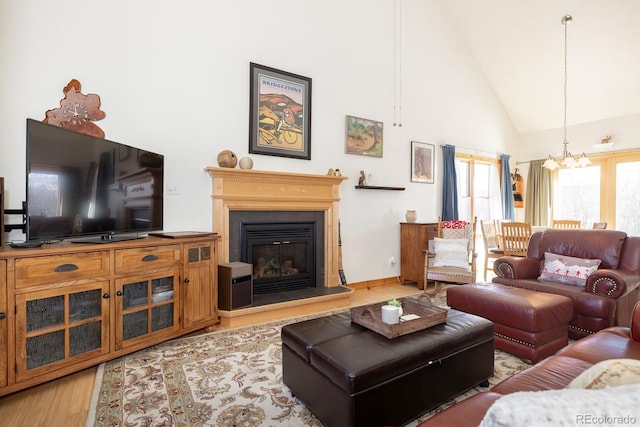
[
  {"x": 414, "y": 242},
  {"x": 65, "y": 307}
]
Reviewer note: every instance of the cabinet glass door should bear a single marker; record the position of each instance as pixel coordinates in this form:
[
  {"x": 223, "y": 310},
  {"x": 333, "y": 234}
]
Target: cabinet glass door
[
  {"x": 148, "y": 306},
  {"x": 59, "y": 327}
]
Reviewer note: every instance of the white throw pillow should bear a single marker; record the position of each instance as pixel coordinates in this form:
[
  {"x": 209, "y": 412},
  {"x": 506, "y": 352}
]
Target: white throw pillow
[
  {"x": 451, "y": 253},
  {"x": 608, "y": 373},
  {"x": 566, "y": 269},
  {"x": 566, "y": 408}
]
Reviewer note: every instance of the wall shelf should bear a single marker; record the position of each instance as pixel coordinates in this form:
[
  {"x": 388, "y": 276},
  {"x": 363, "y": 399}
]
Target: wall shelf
[{"x": 377, "y": 187}]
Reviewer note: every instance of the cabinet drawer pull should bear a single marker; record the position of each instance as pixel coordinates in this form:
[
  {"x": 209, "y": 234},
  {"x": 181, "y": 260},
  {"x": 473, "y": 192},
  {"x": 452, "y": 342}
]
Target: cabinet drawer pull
[
  {"x": 3, "y": 315},
  {"x": 63, "y": 268},
  {"x": 148, "y": 258}
]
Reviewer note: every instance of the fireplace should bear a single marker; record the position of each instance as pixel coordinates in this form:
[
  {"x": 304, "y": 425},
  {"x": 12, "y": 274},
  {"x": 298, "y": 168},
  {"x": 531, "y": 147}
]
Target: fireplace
[
  {"x": 236, "y": 192},
  {"x": 264, "y": 192},
  {"x": 286, "y": 248}
]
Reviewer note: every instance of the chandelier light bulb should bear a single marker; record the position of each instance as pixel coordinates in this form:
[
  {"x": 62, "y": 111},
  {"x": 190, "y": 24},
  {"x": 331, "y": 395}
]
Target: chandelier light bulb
[
  {"x": 570, "y": 162},
  {"x": 584, "y": 160},
  {"x": 550, "y": 164}
]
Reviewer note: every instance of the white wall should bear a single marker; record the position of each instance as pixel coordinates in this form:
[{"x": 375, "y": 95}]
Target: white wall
[
  {"x": 174, "y": 78},
  {"x": 583, "y": 138}
]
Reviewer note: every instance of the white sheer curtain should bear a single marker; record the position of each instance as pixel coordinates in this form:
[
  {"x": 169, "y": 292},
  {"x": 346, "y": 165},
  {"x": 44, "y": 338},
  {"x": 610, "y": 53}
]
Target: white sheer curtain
[{"x": 495, "y": 200}]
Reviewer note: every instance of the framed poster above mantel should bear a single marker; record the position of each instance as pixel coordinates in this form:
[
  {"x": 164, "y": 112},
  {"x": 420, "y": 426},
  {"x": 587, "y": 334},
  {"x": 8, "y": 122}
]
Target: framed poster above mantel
[{"x": 279, "y": 113}]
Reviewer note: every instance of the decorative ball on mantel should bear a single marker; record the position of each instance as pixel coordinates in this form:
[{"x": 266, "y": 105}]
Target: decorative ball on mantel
[
  {"x": 227, "y": 159},
  {"x": 246, "y": 163}
]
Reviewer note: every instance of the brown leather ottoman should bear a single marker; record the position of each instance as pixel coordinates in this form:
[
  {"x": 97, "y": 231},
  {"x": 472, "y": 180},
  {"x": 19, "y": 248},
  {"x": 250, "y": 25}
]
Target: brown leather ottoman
[
  {"x": 531, "y": 325},
  {"x": 348, "y": 375}
]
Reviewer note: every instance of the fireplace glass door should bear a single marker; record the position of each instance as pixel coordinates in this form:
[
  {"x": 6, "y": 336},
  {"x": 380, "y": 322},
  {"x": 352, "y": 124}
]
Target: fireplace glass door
[{"x": 282, "y": 256}]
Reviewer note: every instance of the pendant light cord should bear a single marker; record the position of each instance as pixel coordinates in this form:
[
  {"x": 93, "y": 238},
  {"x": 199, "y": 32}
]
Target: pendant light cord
[
  {"x": 395, "y": 58},
  {"x": 400, "y": 64},
  {"x": 397, "y": 63},
  {"x": 565, "y": 21}
]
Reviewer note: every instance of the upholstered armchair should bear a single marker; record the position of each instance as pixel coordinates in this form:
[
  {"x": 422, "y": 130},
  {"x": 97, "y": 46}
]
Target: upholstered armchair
[
  {"x": 561, "y": 261},
  {"x": 453, "y": 257}
]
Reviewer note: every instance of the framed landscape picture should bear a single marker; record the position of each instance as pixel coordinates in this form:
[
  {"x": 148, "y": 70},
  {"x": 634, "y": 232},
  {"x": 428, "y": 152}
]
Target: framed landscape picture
[
  {"x": 279, "y": 113},
  {"x": 363, "y": 136},
  {"x": 422, "y": 162}
]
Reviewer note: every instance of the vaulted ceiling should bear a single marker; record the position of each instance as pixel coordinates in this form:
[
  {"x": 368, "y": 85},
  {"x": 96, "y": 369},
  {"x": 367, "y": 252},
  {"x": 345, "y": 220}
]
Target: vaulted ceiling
[{"x": 519, "y": 44}]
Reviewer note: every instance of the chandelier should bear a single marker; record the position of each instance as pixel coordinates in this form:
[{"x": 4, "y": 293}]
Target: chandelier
[{"x": 567, "y": 161}]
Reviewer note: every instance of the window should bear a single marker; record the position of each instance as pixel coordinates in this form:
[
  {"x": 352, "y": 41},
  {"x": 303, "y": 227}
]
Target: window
[
  {"x": 604, "y": 191},
  {"x": 578, "y": 195},
  {"x": 478, "y": 187},
  {"x": 463, "y": 173},
  {"x": 628, "y": 197}
]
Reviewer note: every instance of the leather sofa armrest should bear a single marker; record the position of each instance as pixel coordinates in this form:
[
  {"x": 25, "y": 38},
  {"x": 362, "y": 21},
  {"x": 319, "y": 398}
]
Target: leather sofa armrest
[
  {"x": 612, "y": 283},
  {"x": 513, "y": 267},
  {"x": 635, "y": 322}
]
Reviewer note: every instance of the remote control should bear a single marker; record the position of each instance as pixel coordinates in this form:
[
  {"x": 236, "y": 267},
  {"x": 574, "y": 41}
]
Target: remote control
[{"x": 32, "y": 244}]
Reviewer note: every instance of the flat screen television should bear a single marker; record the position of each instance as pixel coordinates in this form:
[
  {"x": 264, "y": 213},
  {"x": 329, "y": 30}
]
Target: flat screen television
[{"x": 89, "y": 189}]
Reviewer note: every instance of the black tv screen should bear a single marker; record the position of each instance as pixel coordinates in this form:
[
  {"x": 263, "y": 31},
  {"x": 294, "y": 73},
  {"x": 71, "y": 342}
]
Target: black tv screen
[{"x": 88, "y": 188}]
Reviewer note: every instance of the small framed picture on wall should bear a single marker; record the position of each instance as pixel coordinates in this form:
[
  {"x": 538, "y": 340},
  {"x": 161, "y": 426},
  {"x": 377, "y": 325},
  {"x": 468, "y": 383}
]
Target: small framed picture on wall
[
  {"x": 363, "y": 136},
  {"x": 422, "y": 162}
]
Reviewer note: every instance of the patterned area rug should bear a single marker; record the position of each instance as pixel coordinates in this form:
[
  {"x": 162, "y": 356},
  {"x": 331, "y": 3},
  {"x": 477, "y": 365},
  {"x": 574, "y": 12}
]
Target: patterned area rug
[{"x": 227, "y": 378}]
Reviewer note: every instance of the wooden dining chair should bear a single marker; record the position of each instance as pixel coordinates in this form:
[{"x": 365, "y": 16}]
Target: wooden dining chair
[
  {"x": 599, "y": 225},
  {"x": 498, "y": 226},
  {"x": 492, "y": 249},
  {"x": 515, "y": 238},
  {"x": 566, "y": 223}
]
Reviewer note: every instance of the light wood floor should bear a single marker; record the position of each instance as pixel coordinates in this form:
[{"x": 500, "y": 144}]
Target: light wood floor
[{"x": 65, "y": 402}]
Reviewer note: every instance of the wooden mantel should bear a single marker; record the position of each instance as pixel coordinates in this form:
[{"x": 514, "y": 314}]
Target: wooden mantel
[{"x": 248, "y": 189}]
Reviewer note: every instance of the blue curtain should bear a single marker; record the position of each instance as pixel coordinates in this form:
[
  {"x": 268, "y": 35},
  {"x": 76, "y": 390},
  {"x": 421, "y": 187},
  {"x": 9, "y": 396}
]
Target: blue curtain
[
  {"x": 508, "y": 211},
  {"x": 449, "y": 184}
]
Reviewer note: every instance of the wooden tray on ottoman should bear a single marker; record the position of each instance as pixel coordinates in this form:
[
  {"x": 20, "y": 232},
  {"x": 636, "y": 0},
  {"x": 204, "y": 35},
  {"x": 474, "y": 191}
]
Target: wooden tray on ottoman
[{"x": 370, "y": 316}]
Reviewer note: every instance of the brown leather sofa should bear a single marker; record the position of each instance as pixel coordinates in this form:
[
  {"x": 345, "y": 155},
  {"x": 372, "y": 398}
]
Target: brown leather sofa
[
  {"x": 610, "y": 293},
  {"x": 553, "y": 373}
]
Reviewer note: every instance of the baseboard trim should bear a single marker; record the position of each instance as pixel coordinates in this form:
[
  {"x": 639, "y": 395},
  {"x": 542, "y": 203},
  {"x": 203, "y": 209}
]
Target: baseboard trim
[{"x": 369, "y": 284}]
